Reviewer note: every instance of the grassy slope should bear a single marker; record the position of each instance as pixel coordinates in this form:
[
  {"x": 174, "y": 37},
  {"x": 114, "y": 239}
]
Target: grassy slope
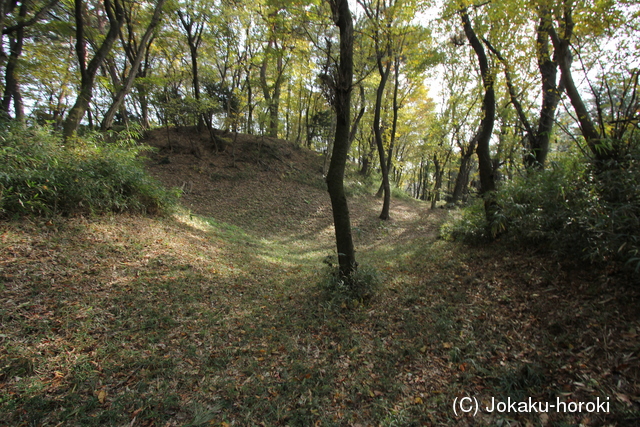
[{"x": 214, "y": 317}]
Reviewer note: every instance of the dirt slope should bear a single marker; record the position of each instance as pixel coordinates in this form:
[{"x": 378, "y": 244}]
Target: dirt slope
[{"x": 251, "y": 178}]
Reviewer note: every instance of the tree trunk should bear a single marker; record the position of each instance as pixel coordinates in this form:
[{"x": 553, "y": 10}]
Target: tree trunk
[
  {"x": 396, "y": 109},
  {"x": 107, "y": 121},
  {"x": 537, "y": 140},
  {"x": 249, "y": 127},
  {"x": 377, "y": 131},
  {"x": 302, "y": 106},
  {"x": 4, "y": 5},
  {"x": 342, "y": 105},
  {"x": 367, "y": 157},
  {"x": 483, "y": 135},
  {"x": 11, "y": 90},
  {"x": 272, "y": 98},
  {"x": 435, "y": 195},
  {"x": 425, "y": 168},
  {"x": 562, "y": 46},
  {"x": 7, "y": 6},
  {"x": 115, "y": 14},
  {"x": 354, "y": 127},
  {"x": 462, "y": 179},
  {"x": 194, "y": 38},
  {"x": 550, "y": 95}
]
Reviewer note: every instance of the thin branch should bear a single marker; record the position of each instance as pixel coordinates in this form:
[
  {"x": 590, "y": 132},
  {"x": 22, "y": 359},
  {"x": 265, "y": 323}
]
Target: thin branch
[{"x": 35, "y": 18}]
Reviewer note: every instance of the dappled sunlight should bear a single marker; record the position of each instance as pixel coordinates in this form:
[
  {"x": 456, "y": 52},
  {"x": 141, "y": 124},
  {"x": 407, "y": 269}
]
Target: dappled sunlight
[
  {"x": 186, "y": 308},
  {"x": 193, "y": 221}
]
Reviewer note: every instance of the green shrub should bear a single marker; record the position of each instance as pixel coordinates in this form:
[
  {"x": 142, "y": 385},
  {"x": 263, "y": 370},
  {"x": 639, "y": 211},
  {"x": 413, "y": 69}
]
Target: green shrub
[
  {"x": 356, "y": 184},
  {"x": 468, "y": 225},
  {"x": 572, "y": 208},
  {"x": 615, "y": 226},
  {"x": 39, "y": 175},
  {"x": 351, "y": 292},
  {"x": 400, "y": 194}
]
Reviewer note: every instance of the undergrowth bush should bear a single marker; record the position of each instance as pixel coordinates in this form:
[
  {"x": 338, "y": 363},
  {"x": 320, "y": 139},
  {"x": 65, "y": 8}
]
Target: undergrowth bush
[
  {"x": 348, "y": 293},
  {"x": 360, "y": 185},
  {"x": 468, "y": 225},
  {"x": 357, "y": 184},
  {"x": 39, "y": 175},
  {"x": 569, "y": 208},
  {"x": 400, "y": 194}
]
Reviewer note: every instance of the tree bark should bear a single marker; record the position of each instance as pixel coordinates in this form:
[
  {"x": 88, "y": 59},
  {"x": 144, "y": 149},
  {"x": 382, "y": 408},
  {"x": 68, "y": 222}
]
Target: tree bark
[
  {"x": 3, "y": 14},
  {"x": 272, "y": 99},
  {"x": 16, "y": 43},
  {"x": 396, "y": 108},
  {"x": 537, "y": 140},
  {"x": 462, "y": 179},
  {"x": 11, "y": 89},
  {"x": 107, "y": 121},
  {"x": 88, "y": 73},
  {"x": 483, "y": 135},
  {"x": 249, "y": 127},
  {"x": 342, "y": 105},
  {"x": 435, "y": 194},
  {"x": 377, "y": 131},
  {"x": 194, "y": 38},
  {"x": 551, "y": 92},
  {"x": 356, "y": 122},
  {"x": 562, "y": 46}
]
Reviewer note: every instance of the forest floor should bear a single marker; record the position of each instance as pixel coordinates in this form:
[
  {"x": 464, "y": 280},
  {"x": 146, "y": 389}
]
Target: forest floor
[{"x": 216, "y": 315}]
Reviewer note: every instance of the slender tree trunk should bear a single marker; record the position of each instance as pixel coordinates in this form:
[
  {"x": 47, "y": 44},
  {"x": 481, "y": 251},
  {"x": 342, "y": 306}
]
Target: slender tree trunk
[
  {"x": 301, "y": 107},
  {"x": 342, "y": 105},
  {"x": 366, "y": 164},
  {"x": 141, "y": 88},
  {"x": 354, "y": 127},
  {"x": 426, "y": 166},
  {"x": 562, "y": 46},
  {"x": 194, "y": 38},
  {"x": 537, "y": 140},
  {"x": 272, "y": 99},
  {"x": 483, "y": 135},
  {"x": 115, "y": 14},
  {"x": 396, "y": 109},
  {"x": 418, "y": 179},
  {"x": 307, "y": 126},
  {"x": 462, "y": 179},
  {"x": 377, "y": 131},
  {"x": 107, "y": 121},
  {"x": 551, "y": 92},
  {"x": 11, "y": 90},
  {"x": 274, "y": 107},
  {"x": 249, "y": 128},
  {"x": 4, "y": 4},
  {"x": 287, "y": 124},
  {"x": 435, "y": 196}
]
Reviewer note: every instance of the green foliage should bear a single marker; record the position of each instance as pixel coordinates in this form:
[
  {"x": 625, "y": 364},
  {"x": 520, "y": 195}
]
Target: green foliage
[
  {"x": 469, "y": 225},
  {"x": 399, "y": 193},
  {"x": 615, "y": 222},
  {"x": 350, "y": 292},
  {"x": 571, "y": 208},
  {"x": 357, "y": 184},
  {"x": 41, "y": 176}
]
